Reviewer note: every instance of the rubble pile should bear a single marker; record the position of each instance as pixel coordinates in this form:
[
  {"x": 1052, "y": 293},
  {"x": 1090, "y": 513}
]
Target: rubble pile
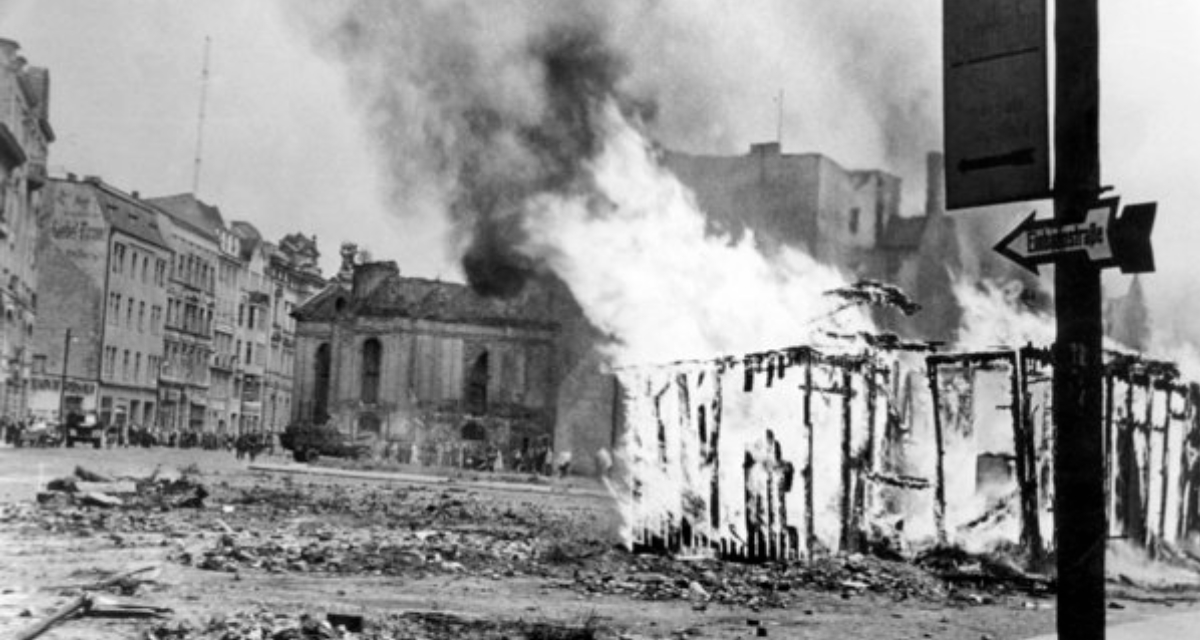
[
  {"x": 412, "y": 532},
  {"x": 994, "y": 573},
  {"x": 758, "y": 585},
  {"x": 408, "y": 507},
  {"x": 374, "y": 552},
  {"x": 154, "y": 492},
  {"x": 263, "y": 624},
  {"x": 416, "y": 532}
]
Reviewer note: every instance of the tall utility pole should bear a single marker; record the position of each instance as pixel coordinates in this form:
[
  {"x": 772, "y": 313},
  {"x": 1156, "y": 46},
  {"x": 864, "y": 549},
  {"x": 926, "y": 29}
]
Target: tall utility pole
[
  {"x": 779, "y": 120},
  {"x": 1079, "y": 508},
  {"x": 200, "y": 120}
]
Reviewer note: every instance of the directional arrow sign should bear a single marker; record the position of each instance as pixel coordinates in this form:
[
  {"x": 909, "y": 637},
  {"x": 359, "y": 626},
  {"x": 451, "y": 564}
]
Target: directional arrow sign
[{"x": 1106, "y": 240}]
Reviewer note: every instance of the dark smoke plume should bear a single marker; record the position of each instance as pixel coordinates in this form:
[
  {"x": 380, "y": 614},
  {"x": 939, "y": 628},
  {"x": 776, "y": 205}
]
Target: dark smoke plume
[
  {"x": 477, "y": 107},
  {"x": 579, "y": 74}
]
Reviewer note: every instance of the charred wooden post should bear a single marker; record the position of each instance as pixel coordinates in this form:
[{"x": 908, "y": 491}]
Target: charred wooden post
[
  {"x": 714, "y": 452},
  {"x": 751, "y": 511},
  {"x": 870, "y": 455},
  {"x": 810, "y": 525},
  {"x": 1129, "y": 479},
  {"x": 1147, "y": 429},
  {"x": 847, "y": 512},
  {"x": 1166, "y": 466},
  {"x": 1190, "y": 466},
  {"x": 772, "y": 467},
  {"x": 1026, "y": 457},
  {"x": 939, "y": 487}
]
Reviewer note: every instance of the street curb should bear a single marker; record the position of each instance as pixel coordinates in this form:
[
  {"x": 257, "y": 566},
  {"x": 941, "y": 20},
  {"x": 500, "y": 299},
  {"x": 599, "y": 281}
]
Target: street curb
[{"x": 428, "y": 480}]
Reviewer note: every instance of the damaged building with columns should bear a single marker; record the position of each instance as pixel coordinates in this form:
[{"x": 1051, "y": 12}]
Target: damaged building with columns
[{"x": 437, "y": 374}]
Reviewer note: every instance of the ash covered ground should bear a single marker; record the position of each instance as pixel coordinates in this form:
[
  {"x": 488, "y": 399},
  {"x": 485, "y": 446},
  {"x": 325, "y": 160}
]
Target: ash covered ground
[{"x": 205, "y": 548}]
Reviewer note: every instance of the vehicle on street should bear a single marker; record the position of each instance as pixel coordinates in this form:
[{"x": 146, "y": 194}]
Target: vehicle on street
[
  {"x": 308, "y": 442},
  {"x": 85, "y": 428}
]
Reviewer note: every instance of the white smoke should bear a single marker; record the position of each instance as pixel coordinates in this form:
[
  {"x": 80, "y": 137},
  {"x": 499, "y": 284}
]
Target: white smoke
[
  {"x": 641, "y": 263},
  {"x": 993, "y": 317}
]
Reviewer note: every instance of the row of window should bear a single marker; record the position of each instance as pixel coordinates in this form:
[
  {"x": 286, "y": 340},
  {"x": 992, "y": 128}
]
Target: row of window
[
  {"x": 128, "y": 259},
  {"x": 187, "y": 361},
  {"x": 189, "y": 316},
  {"x": 193, "y": 270},
  {"x": 126, "y": 366},
  {"x": 116, "y": 313},
  {"x": 251, "y": 317},
  {"x": 477, "y": 387}
]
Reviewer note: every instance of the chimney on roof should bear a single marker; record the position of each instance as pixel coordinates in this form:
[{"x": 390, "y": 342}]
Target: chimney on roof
[
  {"x": 935, "y": 184},
  {"x": 92, "y": 179},
  {"x": 766, "y": 149},
  {"x": 368, "y": 276},
  {"x": 136, "y": 195},
  {"x": 72, "y": 177}
]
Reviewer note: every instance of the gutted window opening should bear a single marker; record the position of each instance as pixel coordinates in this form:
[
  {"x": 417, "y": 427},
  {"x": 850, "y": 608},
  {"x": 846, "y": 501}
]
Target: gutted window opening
[
  {"x": 321, "y": 370},
  {"x": 371, "y": 356},
  {"x": 477, "y": 385}
]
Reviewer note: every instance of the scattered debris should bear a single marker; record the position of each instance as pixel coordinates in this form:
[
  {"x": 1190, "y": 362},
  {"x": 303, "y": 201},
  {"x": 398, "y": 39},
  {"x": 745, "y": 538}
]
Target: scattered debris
[
  {"x": 125, "y": 582},
  {"x": 992, "y": 572},
  {"x": 61, "y": 614},
  {"x": 90, "y": 488},
  {"x": 875, "y": 293},
  {"x": 431, "y": 625}
]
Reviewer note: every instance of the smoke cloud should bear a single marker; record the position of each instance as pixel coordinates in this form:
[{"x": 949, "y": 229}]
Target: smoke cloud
[{"x": 479, "y": 107}]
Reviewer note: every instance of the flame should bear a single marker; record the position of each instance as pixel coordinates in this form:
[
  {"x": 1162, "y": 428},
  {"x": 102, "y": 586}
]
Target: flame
[{"x": 640, "y": 260}]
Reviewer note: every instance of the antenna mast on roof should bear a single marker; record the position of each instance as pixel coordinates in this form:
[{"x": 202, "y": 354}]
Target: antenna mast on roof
[
  {"x": 200, "y": 122},
  {"x": 779, "y": 121}
]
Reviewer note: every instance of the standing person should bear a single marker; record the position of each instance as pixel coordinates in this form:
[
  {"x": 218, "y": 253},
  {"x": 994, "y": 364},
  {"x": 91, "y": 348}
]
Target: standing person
[{"x": 604, "y": 465}]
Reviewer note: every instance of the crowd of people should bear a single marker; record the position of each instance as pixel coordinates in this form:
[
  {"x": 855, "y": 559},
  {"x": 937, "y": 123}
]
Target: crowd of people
[{"x": 39, "y": 433}]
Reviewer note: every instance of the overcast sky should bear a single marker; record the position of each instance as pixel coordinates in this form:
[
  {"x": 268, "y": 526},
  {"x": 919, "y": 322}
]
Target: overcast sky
[
  {"x": 283, "y": 148},
  {"x": 286, "y": 146}
]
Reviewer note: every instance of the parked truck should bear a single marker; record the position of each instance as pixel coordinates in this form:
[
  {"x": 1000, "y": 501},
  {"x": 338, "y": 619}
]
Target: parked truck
[{"x": 84, "y": 428}]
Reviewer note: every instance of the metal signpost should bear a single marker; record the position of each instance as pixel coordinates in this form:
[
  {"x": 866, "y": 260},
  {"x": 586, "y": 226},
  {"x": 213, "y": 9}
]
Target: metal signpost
[{"x": 995, "y": 115}]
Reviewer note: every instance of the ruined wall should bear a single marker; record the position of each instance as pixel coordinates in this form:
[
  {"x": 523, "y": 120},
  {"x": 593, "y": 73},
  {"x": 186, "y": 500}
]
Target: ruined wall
[
  {"x": 426, "y": 410},
  {"x": 773, "y": 194},
  {"x": 794, "y": 453}
]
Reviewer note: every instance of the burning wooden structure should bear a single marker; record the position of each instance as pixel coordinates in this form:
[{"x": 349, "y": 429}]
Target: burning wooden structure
[{"x": 792, "y": 453}]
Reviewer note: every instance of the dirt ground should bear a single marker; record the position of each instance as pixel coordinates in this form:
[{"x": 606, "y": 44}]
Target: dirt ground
[{"x": 270, "y": 555}]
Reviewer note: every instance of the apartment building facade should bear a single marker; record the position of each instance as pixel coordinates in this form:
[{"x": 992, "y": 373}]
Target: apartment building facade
[
  {"x": 188, "y": 338},
  {"x": 103, "y": 291},
  {"x": 25, "y": 137}
]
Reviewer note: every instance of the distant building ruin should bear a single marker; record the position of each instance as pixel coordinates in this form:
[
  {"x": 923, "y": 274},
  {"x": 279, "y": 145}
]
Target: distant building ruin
[
  {"x": 436, "y": 374},
  {"x": 853, "y": 220}
]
